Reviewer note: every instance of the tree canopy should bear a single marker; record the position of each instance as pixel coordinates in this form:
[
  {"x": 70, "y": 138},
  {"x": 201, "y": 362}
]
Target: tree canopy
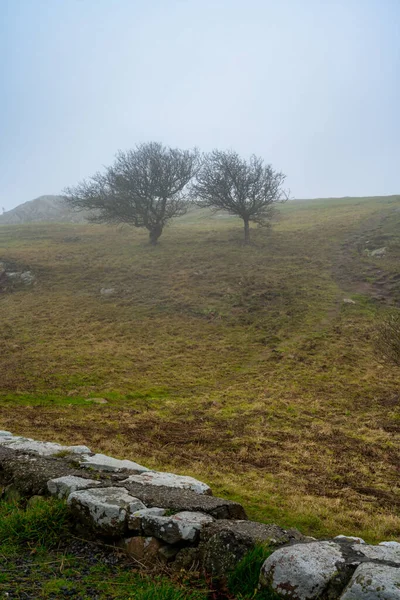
[
  {"x": 248, "y": 189},
  {"x": 144, "y": 187}
]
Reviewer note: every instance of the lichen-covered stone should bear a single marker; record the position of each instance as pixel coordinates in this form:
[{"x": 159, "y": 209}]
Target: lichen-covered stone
[
  {"x": 135, "y": 519},
  {"x": 62, "y": 487},
  {"x": 40, "y": 448},
  {"x": 349, "y": 538},
  {"x": 225, "y": 542},
  {"x": 373, "y": 582},
  {"x": 302, "y": 571},
  {"x": 29, "y": 474},
  {"x": 184, "y": 526},
  {"x": 104, "y": 510},
  {"x": 390, "y": 544},
  {"x": 6, "y": 440},
  {"x": 384, "y": 553},
  {"x": 179, "y": 500},
  {"x": 102, "y": 462},
  {"x": 181, "y": 482}
]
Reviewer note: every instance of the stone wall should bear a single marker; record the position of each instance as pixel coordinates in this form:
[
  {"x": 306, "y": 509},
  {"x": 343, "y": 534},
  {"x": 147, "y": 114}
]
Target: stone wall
[{"x": 172, "y": 518}]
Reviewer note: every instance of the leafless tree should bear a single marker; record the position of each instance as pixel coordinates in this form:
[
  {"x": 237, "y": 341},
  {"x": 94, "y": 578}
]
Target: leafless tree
[
  {"x": 145, "y": 187},
  {"x": 248, "y": 189}
]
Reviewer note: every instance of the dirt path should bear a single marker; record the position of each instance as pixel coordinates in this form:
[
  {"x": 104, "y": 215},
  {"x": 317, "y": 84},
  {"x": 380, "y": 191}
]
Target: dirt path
[{"x": 358, "y": 273}]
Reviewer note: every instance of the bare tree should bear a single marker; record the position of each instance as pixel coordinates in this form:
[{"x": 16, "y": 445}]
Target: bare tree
[
  {"x": 248, "y": 189},
  {"x": 145, "y": 187}
]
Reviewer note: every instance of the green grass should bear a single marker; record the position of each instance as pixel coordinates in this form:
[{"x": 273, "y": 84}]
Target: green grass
[
  {"x": 238, "y": 365},
  {"x": 40, "y": 525},
  {"x": 33, "y": 562},
  {"x": 243, "y": 582}
]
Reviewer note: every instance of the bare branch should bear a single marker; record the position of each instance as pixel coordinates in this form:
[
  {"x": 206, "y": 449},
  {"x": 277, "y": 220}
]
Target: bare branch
[
  {"x": 145, "y": 187},
  {"x": 248, "y": 189}
]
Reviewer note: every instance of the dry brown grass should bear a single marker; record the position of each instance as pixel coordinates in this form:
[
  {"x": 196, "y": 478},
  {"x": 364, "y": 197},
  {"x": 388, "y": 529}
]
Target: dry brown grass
[{"x": 241, "y": 366}]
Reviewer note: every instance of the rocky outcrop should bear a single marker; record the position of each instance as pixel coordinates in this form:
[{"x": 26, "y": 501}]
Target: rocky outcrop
[
  {"x": 175, "y": 519},
  {"x": 10, "y": 277},
  {"x": 337, "y": 569}
]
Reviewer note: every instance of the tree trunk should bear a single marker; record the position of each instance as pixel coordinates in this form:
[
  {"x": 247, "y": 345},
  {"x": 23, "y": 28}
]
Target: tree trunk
[
  {"x": 154, "y": 234},
  {"x": 246, "y": 231}
]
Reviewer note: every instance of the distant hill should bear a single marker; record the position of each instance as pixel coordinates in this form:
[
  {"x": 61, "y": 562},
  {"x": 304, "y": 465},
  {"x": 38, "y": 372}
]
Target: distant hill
[{"x": 44, "y": 208}]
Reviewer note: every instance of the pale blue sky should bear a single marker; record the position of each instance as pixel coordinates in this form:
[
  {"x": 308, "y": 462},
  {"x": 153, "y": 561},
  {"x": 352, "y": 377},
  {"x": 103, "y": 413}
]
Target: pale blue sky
[{"x": 313, "y": 86}]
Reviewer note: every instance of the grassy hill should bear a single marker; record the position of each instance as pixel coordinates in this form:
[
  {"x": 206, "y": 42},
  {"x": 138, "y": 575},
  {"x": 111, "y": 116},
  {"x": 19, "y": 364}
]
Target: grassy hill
[
  {"x": 43, "y": 209},
  {"x": 239, "y": 365}
]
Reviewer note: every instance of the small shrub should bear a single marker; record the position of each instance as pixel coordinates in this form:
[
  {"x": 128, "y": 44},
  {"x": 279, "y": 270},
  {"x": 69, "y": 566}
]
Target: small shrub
[
  {"x": 387, "y": 341},
  {"x": 42, "y": 524}
]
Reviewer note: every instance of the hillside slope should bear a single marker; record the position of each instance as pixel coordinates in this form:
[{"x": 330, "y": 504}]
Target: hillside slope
[
  {"x": 242, "y": 366},
  {"x": 44, "y": 208}
]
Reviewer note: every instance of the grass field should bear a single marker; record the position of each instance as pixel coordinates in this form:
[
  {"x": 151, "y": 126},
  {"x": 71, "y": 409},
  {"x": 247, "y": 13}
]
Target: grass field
[{"x": 239, "y": 365}]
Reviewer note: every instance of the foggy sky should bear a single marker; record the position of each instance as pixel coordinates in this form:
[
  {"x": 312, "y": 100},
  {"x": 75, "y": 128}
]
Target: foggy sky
[{"x": 311, "y": 85}]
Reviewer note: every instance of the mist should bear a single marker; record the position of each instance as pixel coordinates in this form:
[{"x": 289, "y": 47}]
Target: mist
[{"x": 311, "y": 87}]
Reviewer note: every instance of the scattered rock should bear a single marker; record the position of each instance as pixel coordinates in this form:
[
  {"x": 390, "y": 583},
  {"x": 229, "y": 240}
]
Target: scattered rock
[
  {"x": 102, "y": 462},
  {"x": 373, "y": 582},
  {"x": 104, "y": 510},
  {"x": 303, "y": 571},
  {"x": 182, "y": 482},
  {"x": 62, "y": 487},
  {"x": 27, "y": 277},
  {"x": 225, "y": 542},
  {"x": 378, "y": 253},
  {"x": 97, "y": 400},
  {"x": 184, "y": 526},
  {"x": 107, "y": 291}
]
